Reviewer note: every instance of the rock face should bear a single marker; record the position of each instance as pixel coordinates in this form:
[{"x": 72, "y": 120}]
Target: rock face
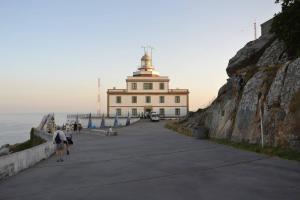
[
  {"x": 291, "y": 84},
  {"x": 244, "y": 128},
  {"x": 280, "y": 121},
  {"x": 264, "y": 86},
  {"x": 274, "y": 54},
  {"x": 249, "y": 55}
]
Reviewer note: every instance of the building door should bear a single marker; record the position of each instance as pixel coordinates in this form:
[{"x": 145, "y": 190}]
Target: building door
[{"x": 147, "y": 110}]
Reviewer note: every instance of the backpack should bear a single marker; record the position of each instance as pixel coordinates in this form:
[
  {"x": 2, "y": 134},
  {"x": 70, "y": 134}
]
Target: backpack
[{"x": 57, "y": 139}]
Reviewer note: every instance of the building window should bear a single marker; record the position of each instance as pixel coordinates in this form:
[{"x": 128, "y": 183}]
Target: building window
[
  {"x": 148, "y": 99},
  {"x": 161, "y": 99},
  {"x": 118, "y": 99},
  {"x": 177, "y": 111},
  {"x": 134, "y": 112},
  {"x": 118, "y": 111},
  {"x": 162, "y": 111},
  {"x": 161, "y": 86},
  {"x": 177, "y": 99},
  {"x": 134, "y": 99},
  {"x": 133, "y": 86},
  {"x": 148, "y": 86}
]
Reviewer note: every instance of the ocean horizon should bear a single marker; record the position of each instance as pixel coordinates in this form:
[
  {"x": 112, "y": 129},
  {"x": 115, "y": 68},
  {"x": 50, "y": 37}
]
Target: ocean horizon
[{"x": 15, "y": 127}]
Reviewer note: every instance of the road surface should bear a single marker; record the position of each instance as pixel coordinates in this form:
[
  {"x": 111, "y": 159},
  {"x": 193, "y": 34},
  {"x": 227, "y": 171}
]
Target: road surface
[{"x": 147, "y": 161}]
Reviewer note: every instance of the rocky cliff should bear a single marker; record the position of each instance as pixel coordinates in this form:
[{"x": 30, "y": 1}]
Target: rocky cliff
[{"x": 263, "y": 86}]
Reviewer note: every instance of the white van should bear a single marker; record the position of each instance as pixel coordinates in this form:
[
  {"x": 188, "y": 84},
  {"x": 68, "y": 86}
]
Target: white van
[{"x": 154, "y": 117}]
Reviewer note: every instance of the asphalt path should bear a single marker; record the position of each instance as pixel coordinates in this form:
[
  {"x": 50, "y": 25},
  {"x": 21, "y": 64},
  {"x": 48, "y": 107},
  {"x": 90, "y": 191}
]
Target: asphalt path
[{"x": 147, "y": 161}]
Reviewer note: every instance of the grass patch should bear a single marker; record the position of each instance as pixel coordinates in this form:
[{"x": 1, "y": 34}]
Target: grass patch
[
  {"x": 285, "y": 153},
  {"x": 271, "y": 151},
  {"x": 175, "y": 126},
  {"x": 33, "y": 141}
]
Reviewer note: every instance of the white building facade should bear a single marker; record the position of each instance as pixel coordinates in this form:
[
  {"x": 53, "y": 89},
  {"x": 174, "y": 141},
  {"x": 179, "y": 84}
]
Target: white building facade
[{"x": 146, "y": 91}]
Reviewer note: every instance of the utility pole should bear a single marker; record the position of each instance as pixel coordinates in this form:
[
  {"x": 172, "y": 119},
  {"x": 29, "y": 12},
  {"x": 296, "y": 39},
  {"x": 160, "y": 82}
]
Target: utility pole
[{"x": 98, "y": 99}]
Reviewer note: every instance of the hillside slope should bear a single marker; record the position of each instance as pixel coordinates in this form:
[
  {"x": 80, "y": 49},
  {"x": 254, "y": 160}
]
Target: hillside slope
[{"x": 261, "y": 77}]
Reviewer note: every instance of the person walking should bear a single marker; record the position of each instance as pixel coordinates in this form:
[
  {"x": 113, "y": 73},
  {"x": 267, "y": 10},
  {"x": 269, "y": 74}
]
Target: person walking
[
  {"x": 68, "y": 128},
  {"x": 110, "y": 131},
  {"x": 59, "y": 138},
  {"x": 69, "y": 141},
  {"x": 75, "y": 127},
  {"x": 79, "y": 127}
]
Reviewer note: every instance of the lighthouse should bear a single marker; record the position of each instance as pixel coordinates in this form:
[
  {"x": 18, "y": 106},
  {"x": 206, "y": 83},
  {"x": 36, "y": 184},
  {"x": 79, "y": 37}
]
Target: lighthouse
[{"x": 146, "y": 91}]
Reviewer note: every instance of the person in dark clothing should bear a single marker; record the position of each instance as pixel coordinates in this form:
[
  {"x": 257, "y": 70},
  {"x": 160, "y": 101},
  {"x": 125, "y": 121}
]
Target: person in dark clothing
[
  {"x": 79, "y": 127},
  {"x": 75, "y": 127},
  {"x": 59, "y": 139}
]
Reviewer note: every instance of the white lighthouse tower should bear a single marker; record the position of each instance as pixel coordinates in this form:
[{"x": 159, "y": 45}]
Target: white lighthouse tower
[{"x": 146, "y": 91}]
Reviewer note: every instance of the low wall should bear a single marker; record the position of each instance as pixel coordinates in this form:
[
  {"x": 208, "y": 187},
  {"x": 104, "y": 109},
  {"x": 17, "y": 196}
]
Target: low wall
[
  {"x": 13, "y": 163},
  {"x": 108, "y": 121}
]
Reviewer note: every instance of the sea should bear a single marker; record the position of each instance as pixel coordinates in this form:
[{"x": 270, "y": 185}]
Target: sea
[{"x": 15, "y": 128}]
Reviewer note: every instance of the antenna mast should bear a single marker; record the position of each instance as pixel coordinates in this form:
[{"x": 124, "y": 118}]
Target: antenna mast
[
  {"x": 144, "y": 47},
  {"x": 98, "y": 99},
  {"x": 151, "y": 50},
  {"x": 255, "y": 36}
]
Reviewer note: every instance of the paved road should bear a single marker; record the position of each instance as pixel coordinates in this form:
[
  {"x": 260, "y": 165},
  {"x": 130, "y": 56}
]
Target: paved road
[{"x": 147, "y": 161}]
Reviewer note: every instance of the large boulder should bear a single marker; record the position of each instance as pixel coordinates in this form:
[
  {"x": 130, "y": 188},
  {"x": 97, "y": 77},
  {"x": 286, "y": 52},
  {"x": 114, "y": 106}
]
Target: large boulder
[{"x": 249, "y": 54}]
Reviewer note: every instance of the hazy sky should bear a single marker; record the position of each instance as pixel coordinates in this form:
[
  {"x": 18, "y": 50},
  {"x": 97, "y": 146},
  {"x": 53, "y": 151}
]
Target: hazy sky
[{"x": 52, "y": 52}]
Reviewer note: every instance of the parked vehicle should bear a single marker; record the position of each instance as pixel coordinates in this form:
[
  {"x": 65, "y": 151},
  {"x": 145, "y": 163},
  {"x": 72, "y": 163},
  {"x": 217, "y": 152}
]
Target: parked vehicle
[{"x": 154, "y": 117}]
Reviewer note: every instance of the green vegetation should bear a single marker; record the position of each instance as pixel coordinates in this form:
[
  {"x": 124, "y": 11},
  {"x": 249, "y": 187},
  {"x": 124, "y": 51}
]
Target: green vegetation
[
  {"x": 271, "y": 151},
  {"x": 33, "y": 141},
  {"x": 295, "y": 102},
  {"x": 175, "y": 126},
  {"x": 286, "y": 25}
]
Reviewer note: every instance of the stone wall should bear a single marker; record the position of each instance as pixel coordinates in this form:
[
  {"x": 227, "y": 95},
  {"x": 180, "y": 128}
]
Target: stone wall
[{"x": 13, "y": 163}]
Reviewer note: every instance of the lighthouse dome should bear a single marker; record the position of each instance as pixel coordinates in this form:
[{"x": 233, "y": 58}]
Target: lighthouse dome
[{"x": 146, "y": 57}]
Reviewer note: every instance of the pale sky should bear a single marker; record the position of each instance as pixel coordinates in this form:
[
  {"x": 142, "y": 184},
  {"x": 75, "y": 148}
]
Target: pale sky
[{"x": 52, "y": 52}]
